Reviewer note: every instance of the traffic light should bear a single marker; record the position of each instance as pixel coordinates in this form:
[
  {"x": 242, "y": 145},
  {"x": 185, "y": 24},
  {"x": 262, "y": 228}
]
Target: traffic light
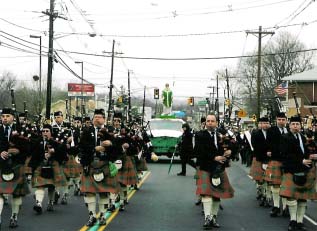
[
  {"x": 190, "y": 101},
  {"x": 156, "y": 93},
  {"x": 254, "y": 117}
]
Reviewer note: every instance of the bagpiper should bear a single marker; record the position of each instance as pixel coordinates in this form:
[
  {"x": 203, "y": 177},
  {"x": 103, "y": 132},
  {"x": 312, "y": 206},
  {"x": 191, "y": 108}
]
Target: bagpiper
[
  {"x": 212, "y": 183},
  {"x": 47, "y": 157},
  {"x": 13, "y": 150},
  {"x": 98, "y": 176},
  {"x": 298, "y": 181}
]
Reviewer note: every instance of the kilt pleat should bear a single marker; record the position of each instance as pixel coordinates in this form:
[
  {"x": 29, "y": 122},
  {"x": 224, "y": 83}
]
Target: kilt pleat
[
  {"x": 256, "y": 170},
  {"x": 273, "y": 173},
  {"x": 58, "y": 179},
  {"x": 204, "y": 186},
  {"x": 307, "y": 192},
  {"x": 127, "y": 175},
  {"x": 109, "y": 184},
  {"x": 71, "y": 168},
  {"x": 18, "y": 186}
]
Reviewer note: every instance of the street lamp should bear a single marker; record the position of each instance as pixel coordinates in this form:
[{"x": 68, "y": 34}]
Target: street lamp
[
  {"x": 40, "y": 72},
  {"x": 82, "y": 86}
]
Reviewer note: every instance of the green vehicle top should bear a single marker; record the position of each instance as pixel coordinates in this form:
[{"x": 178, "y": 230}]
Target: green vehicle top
[{"x": 165, "y": 133}]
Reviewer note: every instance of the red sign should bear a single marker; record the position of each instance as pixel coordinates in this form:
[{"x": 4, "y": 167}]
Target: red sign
[{"x": 74, "y": 89}]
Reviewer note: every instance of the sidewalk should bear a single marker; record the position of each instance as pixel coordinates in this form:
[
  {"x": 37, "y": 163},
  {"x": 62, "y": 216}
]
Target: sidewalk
[{"x": 311, "y": 205}]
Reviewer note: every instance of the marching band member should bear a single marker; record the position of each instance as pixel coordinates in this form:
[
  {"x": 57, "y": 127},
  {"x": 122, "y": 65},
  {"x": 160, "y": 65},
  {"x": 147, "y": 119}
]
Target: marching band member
[
  {"x": 46, "y": 160},
  {"x": 13, "y": 151}
]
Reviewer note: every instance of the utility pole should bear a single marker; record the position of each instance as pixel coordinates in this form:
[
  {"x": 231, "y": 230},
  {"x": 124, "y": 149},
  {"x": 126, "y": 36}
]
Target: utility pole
[
  {"x": 260, "y": 34},
  {"x": 52, "y": 16},
  {"x": 217, "y": 99},
  {"x": 143, "y": 106},
  {"x": 111, "y": 83},
  {"x": 129, "y": 98}
]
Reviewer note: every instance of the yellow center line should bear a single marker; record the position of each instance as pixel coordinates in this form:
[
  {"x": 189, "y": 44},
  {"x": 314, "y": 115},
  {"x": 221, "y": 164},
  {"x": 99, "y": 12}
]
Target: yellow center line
[{"x": 129, "y": 196}]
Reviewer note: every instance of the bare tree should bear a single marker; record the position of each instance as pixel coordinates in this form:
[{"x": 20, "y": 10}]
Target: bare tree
[{"x": 7, "y": 82}]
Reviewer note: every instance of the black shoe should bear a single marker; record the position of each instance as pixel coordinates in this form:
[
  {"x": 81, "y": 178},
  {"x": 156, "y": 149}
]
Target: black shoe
[
  {"x": 111, "y": 209},
  {"x": 214, "y": 222},
  {"x": 121, "y": 208},
  {"x": 301, "y": 226},
  {"x": 181, "y": 174},
  {"x": 198, "y": 202},
  {"x": 91, "y": 220},
  {"x": 267, "y": 204},
  {"x": 275, "y": 211},
  {"x": 126, "y": 201},
  {"x": 208, "y": 223},
  {"x": 262, "y": 202},
  {"x": 56, "y": 197},
  {"x": 13, "y": 221},
  {"x": 102, "y": 219},
  {"x": 64, "y": 200},
  {"x": 135, "y": 187},
  {"x": 37, "y": 208},
  {"x": 292, "y": 226},
  {"x": 50, "y": 206}
]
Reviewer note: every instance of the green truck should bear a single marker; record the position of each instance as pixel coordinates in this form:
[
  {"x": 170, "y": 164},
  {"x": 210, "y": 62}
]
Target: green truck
[{"x": 165, "y": 133}]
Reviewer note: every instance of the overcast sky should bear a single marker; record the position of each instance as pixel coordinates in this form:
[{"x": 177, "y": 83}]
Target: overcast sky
[{"x": 148, "y": 28}]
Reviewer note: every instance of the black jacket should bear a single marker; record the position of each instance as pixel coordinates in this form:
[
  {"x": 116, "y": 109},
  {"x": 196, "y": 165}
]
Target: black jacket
[
  {"x": 260, "y": 145},
  {"x": 274, "y": 139}
]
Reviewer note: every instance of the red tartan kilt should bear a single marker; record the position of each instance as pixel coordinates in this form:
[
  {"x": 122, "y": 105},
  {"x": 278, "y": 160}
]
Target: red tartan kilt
[
  {"x": 256, "y": 170},
  {"x": 307, "y": 192},
  {"x": 27, "y": 169},
  {"x": 18, "y": 186},
  {"x": 141, "y": 165},
  {"x": 273, "y": 173},
  {"x": 204, "y": 187},
  {"x": 109, "y": 184},
  {"x": 71, "y": 168},
  {"x": 127, "y": 175},
  {"x": 58, "y": 179}
]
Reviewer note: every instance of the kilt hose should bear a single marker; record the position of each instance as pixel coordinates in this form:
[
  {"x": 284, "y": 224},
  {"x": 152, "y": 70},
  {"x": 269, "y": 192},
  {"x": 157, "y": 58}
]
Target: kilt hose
[
  {"x": 58, "y": 179},
  {"x": 273, "y": 173},
  {"x": 127, "y": 175},
  {"x": 18, "y": 186},
  {"x": 256, "y": 170},
  {"x": 71, "y": 168},
  {"x": 108, "y": 184},
  {"x": 307, "y": 192},
  {"x": 205, "y": 188},
  {"x": 141, "y": 165}
]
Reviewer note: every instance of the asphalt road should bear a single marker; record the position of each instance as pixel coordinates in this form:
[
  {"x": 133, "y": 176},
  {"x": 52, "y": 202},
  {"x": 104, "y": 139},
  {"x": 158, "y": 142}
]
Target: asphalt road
[{"x": 165, "y": 202}]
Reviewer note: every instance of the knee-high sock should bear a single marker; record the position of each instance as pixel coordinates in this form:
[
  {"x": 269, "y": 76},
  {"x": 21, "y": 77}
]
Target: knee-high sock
[
  {"x": 103, "y": 203},
  {"x": 215, "y": 207},
  {"x": 112, "y": 198},
  {"x": 91, "y": 203},
  {"x": 39, "y": 195},
  {"x": 1, "y": 205},
  {"x": 260, "y": 188},
  {"x": 207, "y": 205},
  {"x": 276, "y": 196},
  {"x": 292, "y": 207},
  {"x": 123, "y": 193},
  {"x": 16, "y": 204},
  {"x": 301, "y": 209}
]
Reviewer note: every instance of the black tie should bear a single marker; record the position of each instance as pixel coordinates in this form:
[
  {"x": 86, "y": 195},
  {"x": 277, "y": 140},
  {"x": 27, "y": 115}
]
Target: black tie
[
  {"x": 98, "y": 137},
  {"x": 6, "y": 131},
  {"x": 282, "y": 131}
]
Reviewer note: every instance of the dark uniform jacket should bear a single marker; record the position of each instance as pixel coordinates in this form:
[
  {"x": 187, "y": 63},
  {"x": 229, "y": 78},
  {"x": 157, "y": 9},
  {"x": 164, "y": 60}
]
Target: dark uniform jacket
[
  {"x": 88, "y": 142},
  {"x": 206, "y": 150},
  {"x": 274, "y": 139},
  {"x": 260, "y": 145},
  {"x": 38, "y": 152},
  {"x": 292, "y": 154},
  {"x": 15, "y": 141},
  {"x": 186, "y": 145}
]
